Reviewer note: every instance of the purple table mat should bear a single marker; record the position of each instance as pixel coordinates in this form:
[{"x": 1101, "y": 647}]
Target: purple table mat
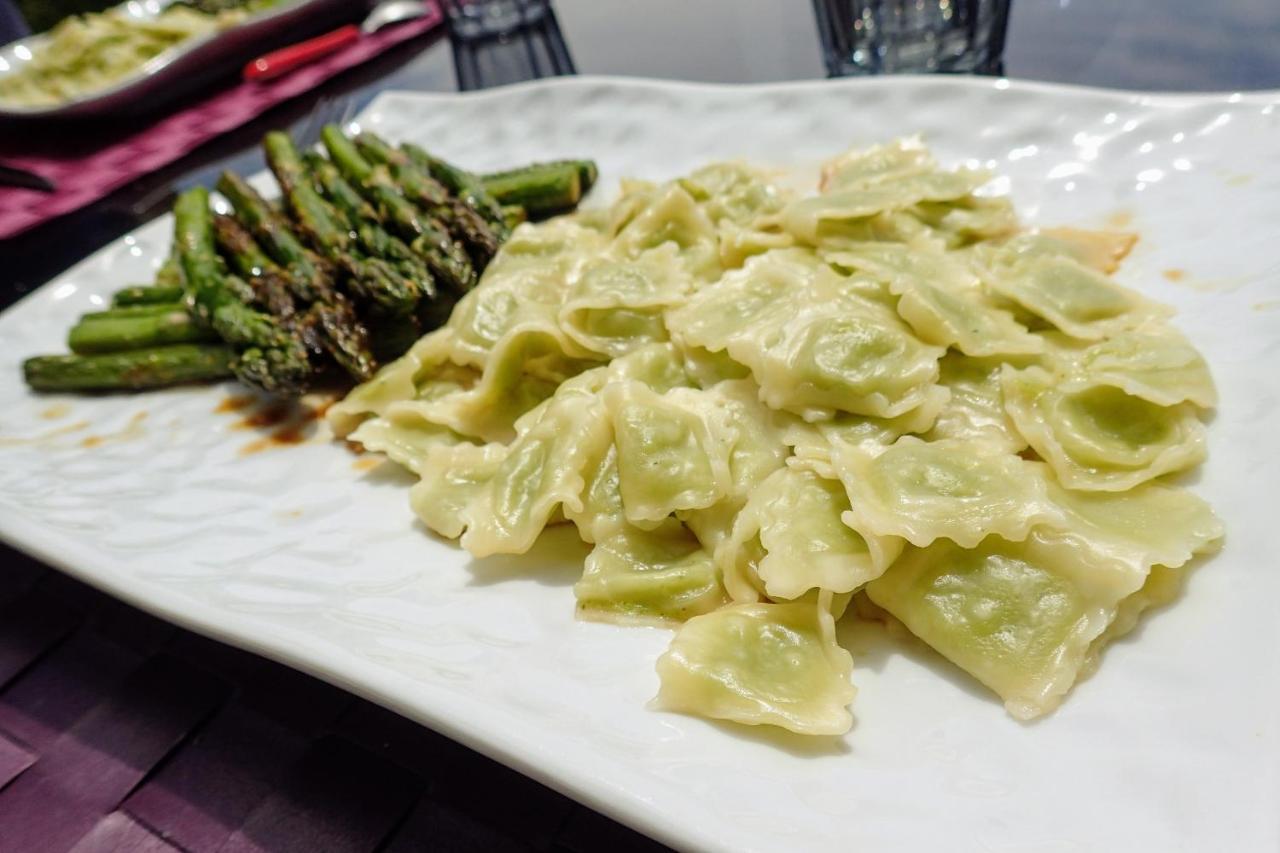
[{"x": 120, "y": 732}]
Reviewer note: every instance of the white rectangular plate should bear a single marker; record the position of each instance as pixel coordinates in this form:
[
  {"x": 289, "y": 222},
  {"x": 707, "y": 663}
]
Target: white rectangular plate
[{"x": 293, "y": 553}]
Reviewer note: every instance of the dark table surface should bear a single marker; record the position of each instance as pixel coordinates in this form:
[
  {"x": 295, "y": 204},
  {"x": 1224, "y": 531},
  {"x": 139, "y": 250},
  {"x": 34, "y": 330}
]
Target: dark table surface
[{"x": 119, "y": 732}]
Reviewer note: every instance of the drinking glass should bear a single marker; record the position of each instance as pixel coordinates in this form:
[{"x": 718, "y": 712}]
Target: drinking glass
[{"x": 912, "y": 36}]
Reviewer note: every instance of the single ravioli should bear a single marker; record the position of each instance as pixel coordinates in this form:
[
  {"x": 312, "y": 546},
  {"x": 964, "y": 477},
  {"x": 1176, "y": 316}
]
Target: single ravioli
[
  {"x": 743, "y": 300},
  {"x": 813, "y": 441},
  {"x": 1099, "y": 250},
  {"x": 733, "y": 193},
  {"x": 940, "y": 298},
  {"x": 507, "y": 389},
  {"x": 523, "y": 289},
  {"x": 838, "y": 351},
  {"x": 1150, "y": 524},
  {"x": 527, "y": 481},
  {"x": 1077, "y": 299},
  {"x": 974, "y": 409},
  {"x": 752, "y": 439},
  {"x": 1097, "y": 437},
  {"x": 394, "y": 383},
  {"x": 668, "y": 456},
  {"x": 761, "y": 664},
  {"x": 953, "y": 489},
  {"x": 645, "y": 577},
  {"x": 1154, "y": 363},
  {"x": 615, "y": 307},
  {"x": 671, "y": 215},
  {"x": 1021, "y": 617},
  {"x": 404, "y": 438},
  {"x": 861, "y": 184},
  {"x": 796, "y": 515}
]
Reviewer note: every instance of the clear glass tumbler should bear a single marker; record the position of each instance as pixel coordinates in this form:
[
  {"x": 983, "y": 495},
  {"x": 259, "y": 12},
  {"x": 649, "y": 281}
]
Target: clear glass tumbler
[{"x": 912, "y": 36}]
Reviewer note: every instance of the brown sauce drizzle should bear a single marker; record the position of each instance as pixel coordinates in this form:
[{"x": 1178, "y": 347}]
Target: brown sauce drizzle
[
  {"x": 234, "y": 403},
  {"x": 287, "y": 423}
]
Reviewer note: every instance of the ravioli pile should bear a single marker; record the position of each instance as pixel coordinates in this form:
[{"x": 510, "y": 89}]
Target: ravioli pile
[{"x": 756, "y": 406}]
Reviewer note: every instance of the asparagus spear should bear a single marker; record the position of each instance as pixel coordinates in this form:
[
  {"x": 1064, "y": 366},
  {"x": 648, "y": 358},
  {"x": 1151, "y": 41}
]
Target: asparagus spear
[
  {"x": 143, "y": 294},
  {"x": 112, "y": 331},
  {"x": 481, "y": 238},
  {"x": 310, "y": 277},
  {"x": 170, "y": 273},
  {"x": 130, "y": 371},
  {"x": 361, "y": 220},
  {"x": 373, "y": 279},
  {"x": 116, "y": 313},
  {"x": 330, "y": 323},
  {"x": 239, "y": 248},
  {"x": 269, "y": 358},
  {"x": 540, "y": 191},
  {"x": 428, "y": 238},
  {"x": 586, "y": 169},
  {"x": 359, "y": 217},
  {"x": 463, "y": 184},
  {"x": 271, "y": 290}
]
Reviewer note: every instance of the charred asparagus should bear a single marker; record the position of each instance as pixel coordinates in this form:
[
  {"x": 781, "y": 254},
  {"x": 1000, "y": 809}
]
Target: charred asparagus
[
  {"x": 480, "y": 237},
  {"x": 133, "y": 371},
  {"x": 268, "y": 357},
  {"x": 429, "y": 238}
]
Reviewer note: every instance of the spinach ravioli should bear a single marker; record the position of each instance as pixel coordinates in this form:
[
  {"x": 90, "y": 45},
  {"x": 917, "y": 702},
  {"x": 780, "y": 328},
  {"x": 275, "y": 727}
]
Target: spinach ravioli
[{"x": 755, "y": 405}]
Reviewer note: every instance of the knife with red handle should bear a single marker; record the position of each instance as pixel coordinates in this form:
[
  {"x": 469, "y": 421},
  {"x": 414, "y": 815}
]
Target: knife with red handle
[
  {"x": 279, "y": 62},
  {"x": 282, "y": 61}
]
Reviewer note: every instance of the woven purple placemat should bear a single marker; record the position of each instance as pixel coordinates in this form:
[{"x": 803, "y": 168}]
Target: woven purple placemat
[
  {"x": 120, "y": 732},
  {"x": 86, "y": 167}
]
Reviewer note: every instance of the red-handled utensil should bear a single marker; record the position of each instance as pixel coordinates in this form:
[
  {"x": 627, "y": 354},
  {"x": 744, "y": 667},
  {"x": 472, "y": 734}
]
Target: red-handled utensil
[{"x": 279, "y": 62}]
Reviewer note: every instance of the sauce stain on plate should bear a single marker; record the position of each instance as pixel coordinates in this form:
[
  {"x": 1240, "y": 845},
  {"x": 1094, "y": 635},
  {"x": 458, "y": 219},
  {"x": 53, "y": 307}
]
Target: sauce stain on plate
[
  {"x": 234, "y": 403},
  {"x": 1120, "y": 219},
  {"x": 291, "y": 423},
  {"x": 272, "y": 414},
  {"x": 44, "y": 437},
  {"x": 133, "y": 429}
]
